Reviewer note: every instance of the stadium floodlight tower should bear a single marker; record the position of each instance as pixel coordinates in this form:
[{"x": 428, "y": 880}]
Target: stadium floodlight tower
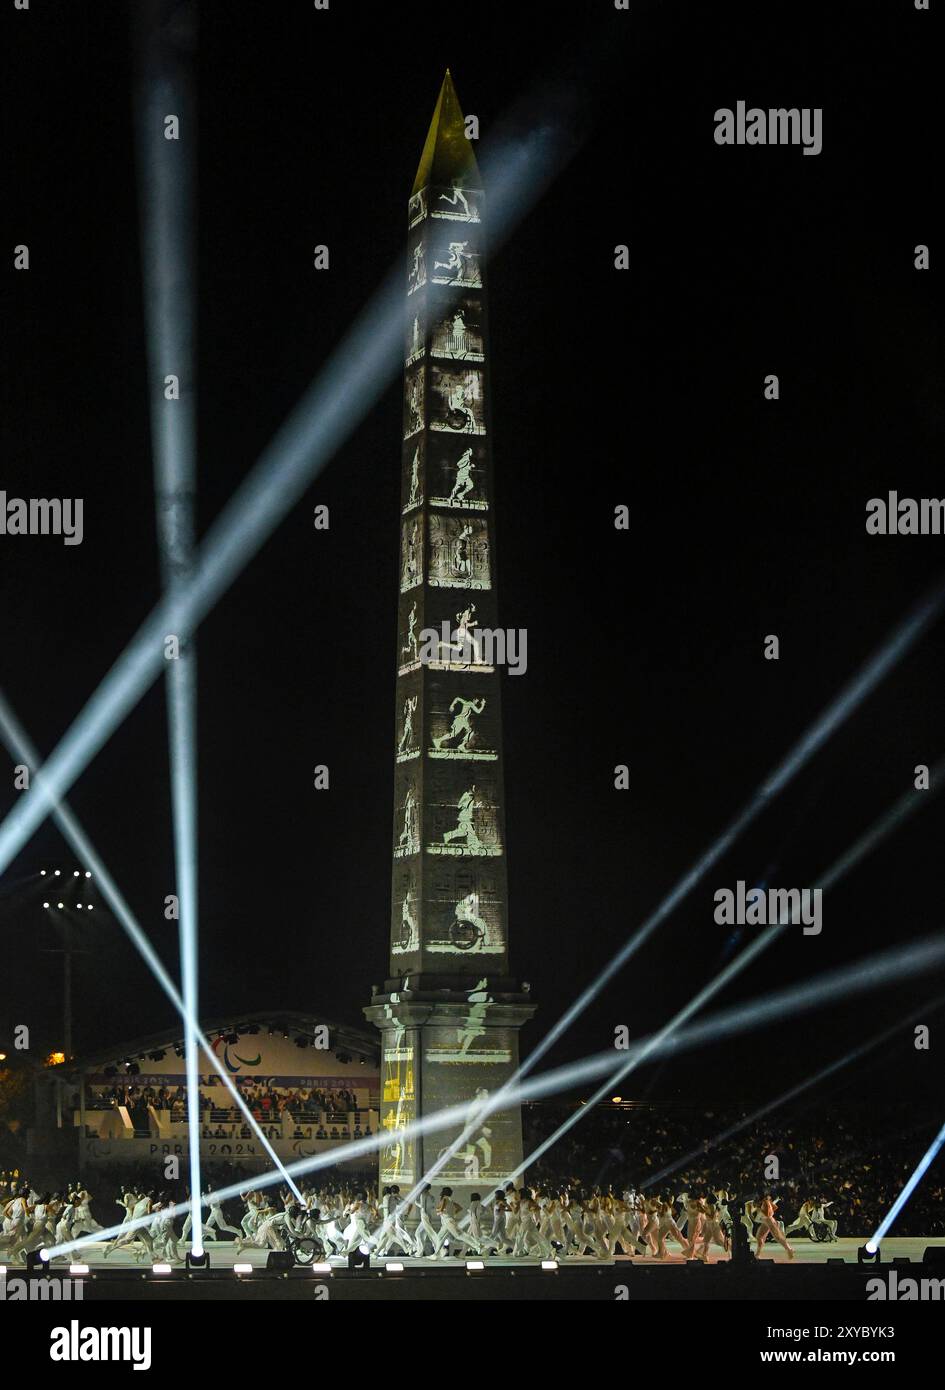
[{"x": 450, "y": 1013}]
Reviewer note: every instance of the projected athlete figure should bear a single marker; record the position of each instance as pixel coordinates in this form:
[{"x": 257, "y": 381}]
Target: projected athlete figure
[
  {"x": 480, "y": 1133},
  {"x": 406, "y": 738},
  {"x": 415, "y": 275},
  {"x": 457, "y": 261},
  {"x": 474, "y": 1027},
  {"x": 411, "y": 649},
  {"x": 466, "y": 636},
  {"x": 464, "y": 828},
  {"x": 464, "y": 484},
  {"x": 458, "y": 197},
  {"x": 414, "y": 497},
  {"x": 458, "y": 415},
  {"x": 768, "y": 1226},
  {"x": 411, "y": 570},
  {"x": 465, "y": 641},
  {"x": 392, "y": 1154},
  {"x": 415, "y": 343},
  {"x": 469, "y": 931},
  {"x": 461, "y": 727},
  {"x": 408, "y": 835},
  {"x": 409, "y": 935},
  {"x": 413, "y": 405},
  {"x": 462, "y": 564}
]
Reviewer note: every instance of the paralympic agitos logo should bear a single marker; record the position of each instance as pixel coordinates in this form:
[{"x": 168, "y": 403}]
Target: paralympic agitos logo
[{"x": 234, "y": 1065}]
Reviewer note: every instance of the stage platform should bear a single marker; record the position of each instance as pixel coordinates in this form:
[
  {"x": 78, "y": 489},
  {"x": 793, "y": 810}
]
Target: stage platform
[
  {"x": 224, "y": 1254},
  {"x": 809, "y": 1277}
]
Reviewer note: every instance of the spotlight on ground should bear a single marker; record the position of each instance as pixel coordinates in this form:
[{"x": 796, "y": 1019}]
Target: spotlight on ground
[
  {"x": 78, "y": 1269},
  {"x": 868, "y": 1254},
  {"x": 161, "y": 1269},
  {"x": 359, "y": 1260},
  {"x": 393, "y": 1267},
  {"x": 280, "y": 1261},
  {"x": 474, "y": 1265},
  {"x": 197, "y": 1259},
  {"x": 320, "y": 1268},
  {"x": 549, "y": 1264},
  {"x": 242, "y": 1269}
]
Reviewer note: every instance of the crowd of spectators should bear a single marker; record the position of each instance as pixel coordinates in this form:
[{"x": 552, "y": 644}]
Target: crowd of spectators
[
  {"x": 855, "y": 1157},
  {"x": 314, "y": 1112}
]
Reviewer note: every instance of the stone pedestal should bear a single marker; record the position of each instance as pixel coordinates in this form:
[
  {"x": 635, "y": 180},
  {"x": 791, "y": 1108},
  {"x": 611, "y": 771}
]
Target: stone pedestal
[{"x": 443, "y": 1048}]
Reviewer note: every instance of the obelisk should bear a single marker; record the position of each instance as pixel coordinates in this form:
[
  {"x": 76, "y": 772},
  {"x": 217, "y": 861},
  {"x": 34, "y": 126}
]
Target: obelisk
[{"x": 450, "y": 1012}]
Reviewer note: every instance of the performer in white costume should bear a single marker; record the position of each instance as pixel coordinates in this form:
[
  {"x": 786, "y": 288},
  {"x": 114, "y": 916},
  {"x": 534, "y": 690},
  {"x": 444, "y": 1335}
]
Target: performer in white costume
[
  {"x": 426, "y": 1209},
  {"x": 819, "y": 1213},
  {"x": 392, "y": 1230},
  {"x": 84, "y": 1223},
  {"x": 449, "y": 1233},
  {"x": 356, "y": 1232},
  {"x": 498, "y": 1239},
  {"x": 803, "y": 1221}
]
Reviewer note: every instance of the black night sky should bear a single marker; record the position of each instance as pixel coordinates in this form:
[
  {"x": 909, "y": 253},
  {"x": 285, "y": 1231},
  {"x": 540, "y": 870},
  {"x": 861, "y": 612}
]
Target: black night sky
[{"x": 646, "y": 388}]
